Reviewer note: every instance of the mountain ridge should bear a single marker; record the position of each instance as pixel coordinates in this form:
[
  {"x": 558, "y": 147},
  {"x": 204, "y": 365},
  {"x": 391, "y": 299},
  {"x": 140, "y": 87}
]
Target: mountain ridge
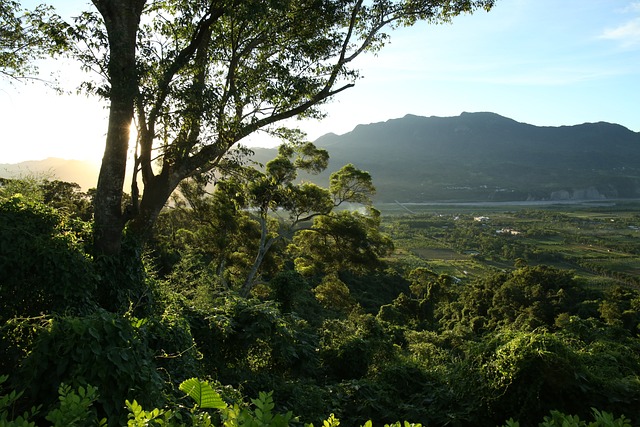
[
  {"x": 487, "y": 157},
  {"x": 83, "y": 173},
  {"x": 479, "y": 156}
]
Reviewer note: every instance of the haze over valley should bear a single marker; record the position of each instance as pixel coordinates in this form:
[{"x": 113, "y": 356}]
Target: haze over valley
[{"x": 471, "y": 157}]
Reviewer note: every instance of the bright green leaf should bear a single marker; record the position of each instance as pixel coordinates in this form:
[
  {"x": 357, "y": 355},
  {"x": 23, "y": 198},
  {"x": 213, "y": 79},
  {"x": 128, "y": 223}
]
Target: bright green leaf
[{"x": 202, "y": 393}]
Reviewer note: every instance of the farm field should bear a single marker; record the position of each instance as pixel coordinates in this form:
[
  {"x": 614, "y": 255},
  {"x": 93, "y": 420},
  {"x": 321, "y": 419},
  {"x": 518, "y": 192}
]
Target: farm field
[{"x": 599, "y": 241}]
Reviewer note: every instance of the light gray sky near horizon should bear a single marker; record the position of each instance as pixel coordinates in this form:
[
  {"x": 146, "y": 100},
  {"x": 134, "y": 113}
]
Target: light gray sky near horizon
[{"x": 543, "y": 62}]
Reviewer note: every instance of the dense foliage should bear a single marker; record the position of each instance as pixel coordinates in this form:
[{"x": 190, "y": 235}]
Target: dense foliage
[
  {"x": 337, "y": 327},
  {"x": 42, "y": 260}
]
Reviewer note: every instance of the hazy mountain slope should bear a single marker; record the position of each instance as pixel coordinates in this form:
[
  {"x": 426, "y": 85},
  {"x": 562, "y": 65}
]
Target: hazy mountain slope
[
  {"x": 83, "y": 173},
  {"x": 471, "y": 157},
  {"x": 484, "y": 156}
]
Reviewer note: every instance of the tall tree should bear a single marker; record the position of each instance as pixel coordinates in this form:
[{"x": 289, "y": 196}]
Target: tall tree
[
  {"x": 208, "y": 73},
  {"x": 273, "y": 201},
  {"x": 121, "y": 20},
  {"x": 275, "y": 191},
  {"x": 343, "y": 241}
]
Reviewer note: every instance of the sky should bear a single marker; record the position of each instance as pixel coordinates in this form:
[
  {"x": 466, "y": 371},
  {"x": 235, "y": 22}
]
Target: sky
[{"x": 542, "y": 62}]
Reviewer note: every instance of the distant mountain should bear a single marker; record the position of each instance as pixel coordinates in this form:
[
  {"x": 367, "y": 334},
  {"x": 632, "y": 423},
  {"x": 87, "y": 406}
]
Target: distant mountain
[
  {"x": 487, "y": 157},
  {"x": 471, "y": 157},
  {"x": 82, "y": 173}
]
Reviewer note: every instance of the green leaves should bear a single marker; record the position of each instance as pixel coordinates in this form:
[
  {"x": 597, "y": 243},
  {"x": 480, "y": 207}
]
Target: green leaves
[
  {"x": 233, "y": 415},
  {"x": 26, "y": 36},
  {"x": 350, "y": 184},
  {"x": 138, "y": 417},
  {"x": 75, "y": 408},
  {"x": 44, "y": 268},
  {"x": 202, "y": 393},
  {"x": 102, "y": 349},
  {"x": 601, "y": 419},
  {"x": 332, "y": 421}
]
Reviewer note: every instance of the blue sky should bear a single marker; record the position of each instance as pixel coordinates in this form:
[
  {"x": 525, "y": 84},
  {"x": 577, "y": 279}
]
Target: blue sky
[{"x": 543, "y": 62}]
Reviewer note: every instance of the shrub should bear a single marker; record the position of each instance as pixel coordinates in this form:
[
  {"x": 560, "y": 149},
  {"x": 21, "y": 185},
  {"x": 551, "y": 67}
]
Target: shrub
[
  {"x": 43, "y": 270},
  {"x": 42, "y": 263},
  {"x": 103, "y": 349}
]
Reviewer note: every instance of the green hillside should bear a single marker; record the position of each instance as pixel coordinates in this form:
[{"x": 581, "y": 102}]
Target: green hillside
[{"x": 487, "y": 157}]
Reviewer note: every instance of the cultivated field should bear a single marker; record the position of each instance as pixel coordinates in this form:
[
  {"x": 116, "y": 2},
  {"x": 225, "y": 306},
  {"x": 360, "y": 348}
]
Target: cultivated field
[{"x": 599, "y": 241}]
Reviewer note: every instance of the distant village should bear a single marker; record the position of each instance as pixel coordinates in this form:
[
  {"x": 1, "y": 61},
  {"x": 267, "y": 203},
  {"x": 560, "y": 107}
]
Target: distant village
[{"x": 506, "y": 231}]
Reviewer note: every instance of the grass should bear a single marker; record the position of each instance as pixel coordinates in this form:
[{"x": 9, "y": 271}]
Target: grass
[{"x": 440, "y": 254}]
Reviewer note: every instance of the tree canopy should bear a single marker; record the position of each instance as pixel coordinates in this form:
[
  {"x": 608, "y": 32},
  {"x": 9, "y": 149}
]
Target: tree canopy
[
  {"x": 199, "y": 76},
  {"x": 27, "y": 35},
  {"x": 338, "y": 324}
]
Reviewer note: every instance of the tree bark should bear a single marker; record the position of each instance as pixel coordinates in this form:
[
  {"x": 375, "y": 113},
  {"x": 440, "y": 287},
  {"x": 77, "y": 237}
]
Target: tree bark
[
  {"x": 157, "y": 191},
  {"x": 263, "y": 247},
  {"x": 121, "y": 18}
]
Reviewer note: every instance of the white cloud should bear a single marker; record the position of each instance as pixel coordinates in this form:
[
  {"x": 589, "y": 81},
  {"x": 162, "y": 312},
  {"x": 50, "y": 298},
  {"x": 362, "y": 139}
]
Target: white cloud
[{"x": 627, "y": 33}]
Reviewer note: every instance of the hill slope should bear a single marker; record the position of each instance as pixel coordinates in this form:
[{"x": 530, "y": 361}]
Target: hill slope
[
  {"x": 484, "y": 156},
  {"x": 82, "y": 173},
  {"x": 471, "y": 157}
]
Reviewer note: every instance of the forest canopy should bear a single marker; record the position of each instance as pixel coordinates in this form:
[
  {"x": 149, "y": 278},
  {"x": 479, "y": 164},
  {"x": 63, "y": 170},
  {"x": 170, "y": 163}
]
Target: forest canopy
[{"x": 343, "y": 320}]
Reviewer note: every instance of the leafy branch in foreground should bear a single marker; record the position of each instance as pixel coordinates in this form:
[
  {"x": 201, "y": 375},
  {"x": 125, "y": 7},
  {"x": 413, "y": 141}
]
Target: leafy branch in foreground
[{"x": 75, "y": 409}]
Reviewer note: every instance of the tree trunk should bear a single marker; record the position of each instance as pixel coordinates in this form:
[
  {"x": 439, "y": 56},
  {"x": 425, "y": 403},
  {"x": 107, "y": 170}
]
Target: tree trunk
[
  {"x": 156, "y": 193},
  {"x": 121, "y": 18},
  {"x": 263, "y": 247}
]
